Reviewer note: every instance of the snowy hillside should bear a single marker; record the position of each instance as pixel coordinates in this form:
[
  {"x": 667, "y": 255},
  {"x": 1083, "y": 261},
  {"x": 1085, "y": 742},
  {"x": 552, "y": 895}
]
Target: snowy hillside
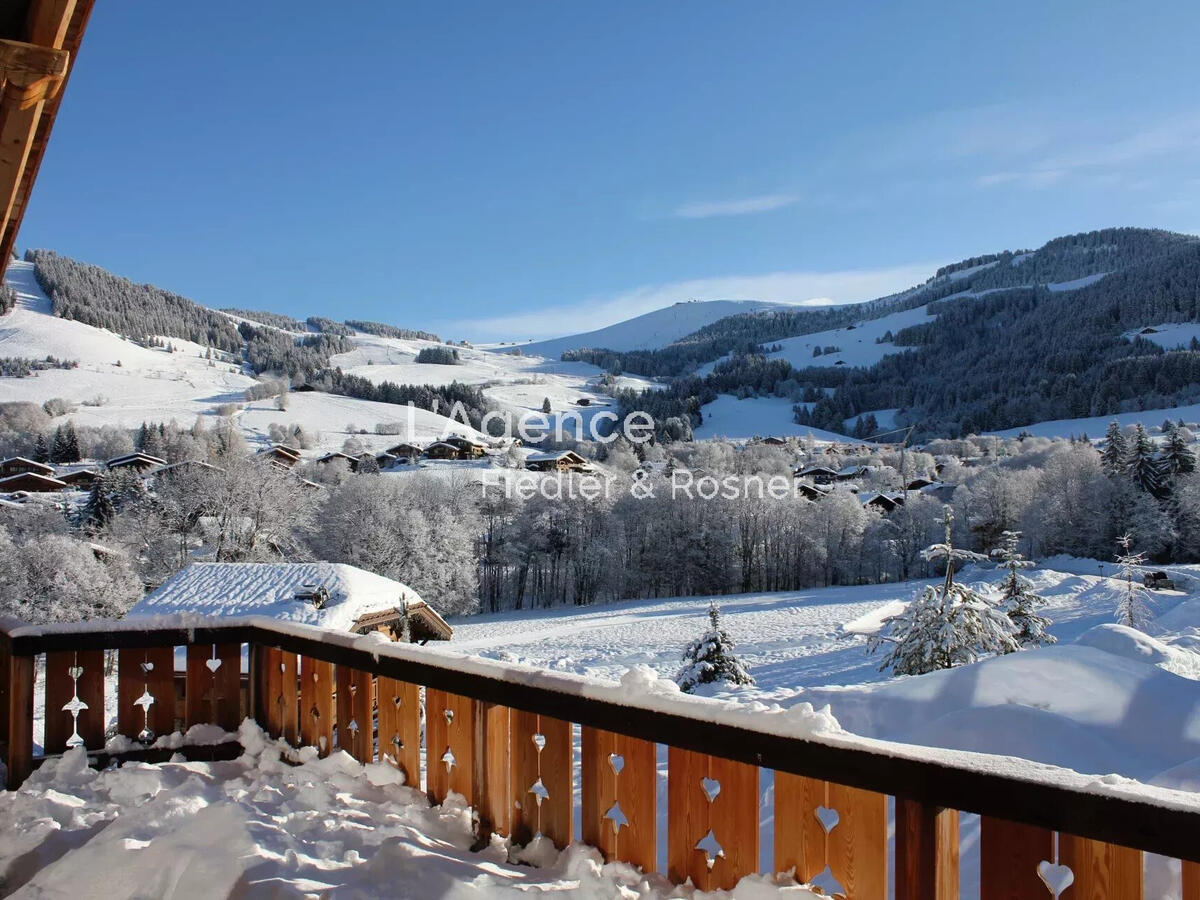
[{"x": 651, "y": 330}]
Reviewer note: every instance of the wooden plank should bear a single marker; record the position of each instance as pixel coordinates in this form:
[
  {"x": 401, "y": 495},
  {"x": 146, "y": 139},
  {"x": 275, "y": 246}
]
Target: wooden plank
[
  {"x": 711, "y": 798},
  {"x": 62, "y": 687},
  {"x": 633, "y": 789},
  {"x": 18, "y": 715},
  {"x": 1191, "y": 881},
  {"x": 800, "y": 841},
  {"x": 541, "y": 753},
  {"x": 492, "y": 776},
  {"x": 926, "y": 851},
  {"x": 213, "y": 691},
  {"x": 450, "y": 745},
  {"x": 316, "y": 704},
  {"x": 1009, "y": 857},
  {"x": 1102, "y": 871},
  {"x": 355, "y": 730},
  {"x": 858, "y": 843},
  {"x": 149, "y": 671},
  {"x": 278, "y": 682},
  {"x": 400, "y": 726}
]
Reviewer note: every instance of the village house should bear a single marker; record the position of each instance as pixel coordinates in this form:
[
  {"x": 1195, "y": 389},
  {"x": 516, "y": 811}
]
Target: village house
[
  {"x": 852, "y": 472},
  {"x": 31, "y": 483},
  {"x": 560, "y": 461},
  {"x": 78, "y": 479},
  {"x": 138, "y": 462},
  {"x": 334, "y": 456},
  {"x": 773, "y": 441},
  {"x": 813, "y": 491},
  {"x": 467, "y": 448},
  {"x": 917, "y": 483},
  {"x": 280, "y": 455},
  {"x": 818, "y": 474},
  {"x": 19, "y": 465},
  {"x": 405, "y": 453},
  {"x": 334, "y": 596},
  {"x": 885, "y": 502},
  {"x": 443, "y": 450}
]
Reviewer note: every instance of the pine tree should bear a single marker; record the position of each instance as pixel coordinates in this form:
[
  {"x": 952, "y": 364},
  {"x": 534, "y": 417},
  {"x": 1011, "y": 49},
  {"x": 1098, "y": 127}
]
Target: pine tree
[
  {"x": 71, "y": 443},
  {"x": 58, "y": 446},
  {"x": 1017, "y": 598},
  {"x": 1116, "y": 449},
  {"x": 40, "y": 452},
  {"x": 1141, "y": 463},
  {"x": 546, "y": 406},
  {"x": 99, "y": 509},
  {"x": 946, "y": 625},
  {"x": 1133, "y": 609},
  {"x": 710, "y": 658},
  {"x": 1176, "y": 457}
]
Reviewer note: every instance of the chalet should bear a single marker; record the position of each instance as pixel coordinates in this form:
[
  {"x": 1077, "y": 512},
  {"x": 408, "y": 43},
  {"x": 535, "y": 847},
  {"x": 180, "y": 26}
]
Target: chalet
[
  {"x": 812, "y": 491},
  {"x": 404, "y": 452},
  {"x": 326, "y": 595},
  {"x": 19, "y": 465},
  {"x": 774, "y": 441},
  {"x": 583, "y": 401},
  {"x": 385, "y": 459},
  {"x": 818, "y": 474},
  {"x": 31, "y": 483},
  {"x": 884, "y": 502},
  {"x": 917, "y": 483},
  {"x": 334, "y": 456},
  {"x": 443, "y": 450},
  {"x": 561, "y": 461},
  {"x": 138, "y": 462},
  {"x": 467, "y": 448},
  {"x": 849, "y": 473},
  {"x": 79, "y": 479},
  {"x": 281, "y": 455}
]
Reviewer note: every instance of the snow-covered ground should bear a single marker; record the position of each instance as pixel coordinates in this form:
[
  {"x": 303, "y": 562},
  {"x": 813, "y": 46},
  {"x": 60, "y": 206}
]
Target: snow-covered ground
[
  {"x": 738, "y": 420},
  {"x": 858, "y": 344},
  {"x": 1170, "y": 336},
  {"x": 1094, "y": 427},
  {"x": 260, "y": 827}
]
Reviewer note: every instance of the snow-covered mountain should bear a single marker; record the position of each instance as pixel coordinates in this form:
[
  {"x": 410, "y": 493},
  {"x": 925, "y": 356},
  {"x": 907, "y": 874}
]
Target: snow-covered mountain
[{"x": 651, "y": 330}]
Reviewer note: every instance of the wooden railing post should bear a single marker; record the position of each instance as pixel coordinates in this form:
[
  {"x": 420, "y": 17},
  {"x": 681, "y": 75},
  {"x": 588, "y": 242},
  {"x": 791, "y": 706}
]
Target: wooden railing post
[
  {"x": 17, "y": 711},
  {"x": 450, "y": 733},
  {"x": 541, "y": 789},
  {"x": 618, "y": 781},
  {"x": 926, "y": 851},
  {"x": 74, "y": 699},
  {"x": 354, "y": 713},
  {"x": 316, "y": 704},
  {"x": 140, "y": 673},
  {"x": 1191, "y": 881},
  {"x": 1100, "y": 869},
  {"x": 1009, "y": 855},
  {"x": 212, "y": 694},
  {"x": 712, "y": 819},
  {"x": 399, "y": 705}
]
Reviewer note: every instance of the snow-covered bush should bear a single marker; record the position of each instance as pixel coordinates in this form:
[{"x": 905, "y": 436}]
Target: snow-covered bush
[{"x": 710, "y": 658}]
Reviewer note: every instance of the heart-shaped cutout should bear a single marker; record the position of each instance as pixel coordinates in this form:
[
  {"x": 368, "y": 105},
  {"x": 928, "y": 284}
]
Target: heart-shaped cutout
[
  {"x": 539, "y": 741},
  {"x": 828, "y": 818},
  {"x": 617, "y": 762},
  {"x": 397, "y": 702},
  {"x": 147, "y": 668},
  {"x": 213, "y": 664},
  {"x": 449, "y": 716},
  {"x": 397, "y": 743},
  {"x": 711, "y": 788},
  {"x": 1057, "y": 878},
  {"x": 75, "y": 672}
]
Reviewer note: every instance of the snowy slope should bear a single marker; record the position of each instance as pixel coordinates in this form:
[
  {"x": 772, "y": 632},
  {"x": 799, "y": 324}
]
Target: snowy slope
[
  {"x": 651, "y": 330},
  {"x": 858, "y": 343},
  {"x": 739, "y": 420},
  {"x": 1094, "y": 427}
]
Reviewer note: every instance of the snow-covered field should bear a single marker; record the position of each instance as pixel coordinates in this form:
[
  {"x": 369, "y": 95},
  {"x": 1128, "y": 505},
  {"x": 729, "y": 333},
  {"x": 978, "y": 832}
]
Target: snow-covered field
[
  {"x": 1094, "y": 427},
  {"x": 121, "y": 383},
  {"x": 738, "y": 420}
]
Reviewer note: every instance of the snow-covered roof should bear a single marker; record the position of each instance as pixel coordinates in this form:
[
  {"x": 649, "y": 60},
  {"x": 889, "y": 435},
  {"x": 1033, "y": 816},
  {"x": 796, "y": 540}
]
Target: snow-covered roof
[
  {"x": 138, "y": 457},
  {"x": 853, "y": 471},
  {"x": 187, "y": 464},
  {"x": 26, "y": 461},
  {"x": 269, "y": 589},
  {"x": 9, "y": 483},
  {"x": 542, "y": 456}
]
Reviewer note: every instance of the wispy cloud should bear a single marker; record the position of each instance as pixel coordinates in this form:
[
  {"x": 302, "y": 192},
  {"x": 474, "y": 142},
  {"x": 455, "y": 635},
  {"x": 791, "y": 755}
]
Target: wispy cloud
[
  {"x": 745, "y": 206},
  {"x": 803, "y": 288}
]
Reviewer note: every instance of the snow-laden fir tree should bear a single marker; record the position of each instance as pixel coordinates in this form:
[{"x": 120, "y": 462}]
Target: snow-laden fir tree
[
  {"x": 99, "y": 510},
  {"x": 710, "y": 657},
  {"x": 41, "y": 453},
  {"x": 1133, "y": 609},
  {"x": 1017, "y": 598},
  {"x": 1141, "y": 463},
  {"x": 1115, "y": 450},
  {"x": 945, "y": 625},
  {"x": 1176, "y": 457}
]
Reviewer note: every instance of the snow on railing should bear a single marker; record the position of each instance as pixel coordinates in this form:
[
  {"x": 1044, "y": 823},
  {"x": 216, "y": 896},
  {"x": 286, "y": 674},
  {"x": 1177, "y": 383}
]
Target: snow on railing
[{"x": 502, "y": 734}]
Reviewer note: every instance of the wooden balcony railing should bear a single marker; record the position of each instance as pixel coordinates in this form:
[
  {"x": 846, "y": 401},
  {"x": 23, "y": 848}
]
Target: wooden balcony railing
[{"x": 502, "y": 736}]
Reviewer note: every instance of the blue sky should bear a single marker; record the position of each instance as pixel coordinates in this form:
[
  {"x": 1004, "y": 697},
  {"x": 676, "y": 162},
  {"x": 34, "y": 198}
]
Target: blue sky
[{"x": 520, "y": 170}]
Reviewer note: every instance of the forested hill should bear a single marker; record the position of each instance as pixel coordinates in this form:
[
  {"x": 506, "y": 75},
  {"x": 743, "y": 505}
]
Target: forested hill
[
  {"x": 994, "y": 342},
  {"x": 1060, "y": 261}
]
